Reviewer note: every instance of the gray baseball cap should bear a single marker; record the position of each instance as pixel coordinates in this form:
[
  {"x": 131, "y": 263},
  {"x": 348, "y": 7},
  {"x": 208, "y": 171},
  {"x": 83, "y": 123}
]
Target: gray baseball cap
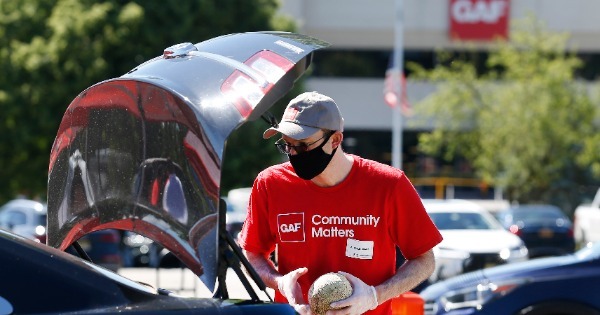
[{"x": 306, "y": 114}]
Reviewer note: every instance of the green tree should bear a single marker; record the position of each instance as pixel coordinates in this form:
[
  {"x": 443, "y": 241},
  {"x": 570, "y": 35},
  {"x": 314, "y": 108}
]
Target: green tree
[
  {"x": 53, "y": 49},
  {"x": 525, "y": 123}
]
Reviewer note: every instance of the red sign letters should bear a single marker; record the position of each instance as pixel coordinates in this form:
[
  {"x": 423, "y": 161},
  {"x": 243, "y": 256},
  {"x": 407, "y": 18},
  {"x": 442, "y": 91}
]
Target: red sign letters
[{"x": 480, "y": 20}]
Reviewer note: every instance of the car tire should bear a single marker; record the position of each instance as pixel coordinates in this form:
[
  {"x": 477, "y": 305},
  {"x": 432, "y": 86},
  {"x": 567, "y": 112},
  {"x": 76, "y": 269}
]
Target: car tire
[{"x": 559, "y": 308}]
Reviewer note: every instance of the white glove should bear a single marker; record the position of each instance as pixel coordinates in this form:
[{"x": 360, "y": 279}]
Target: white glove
[
  {"x": 363, "y": 298},
  {"x": 303, "y": 309},
  {"x": 289, "y": 287}
]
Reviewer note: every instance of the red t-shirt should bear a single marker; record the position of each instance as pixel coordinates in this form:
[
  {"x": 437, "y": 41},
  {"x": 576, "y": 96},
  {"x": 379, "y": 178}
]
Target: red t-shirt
[{"x": 352, "y": 227}]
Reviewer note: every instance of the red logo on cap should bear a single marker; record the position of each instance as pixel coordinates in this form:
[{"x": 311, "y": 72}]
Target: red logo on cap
[
  {"x": 290, "y": 113},
  {"x": 291, "y": 227}
]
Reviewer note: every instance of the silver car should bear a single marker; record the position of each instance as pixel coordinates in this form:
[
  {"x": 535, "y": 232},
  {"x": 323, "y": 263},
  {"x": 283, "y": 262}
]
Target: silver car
[{"x": 26, "y": 218}]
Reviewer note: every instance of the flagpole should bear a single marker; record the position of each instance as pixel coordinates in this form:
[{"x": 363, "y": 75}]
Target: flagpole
[{"x": 398, "y": 70}]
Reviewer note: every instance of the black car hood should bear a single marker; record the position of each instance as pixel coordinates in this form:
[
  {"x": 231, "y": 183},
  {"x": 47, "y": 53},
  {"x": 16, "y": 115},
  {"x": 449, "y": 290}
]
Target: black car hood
[
  {"x": 539, "y": 269},
  {"x": 143, "y": 152}
]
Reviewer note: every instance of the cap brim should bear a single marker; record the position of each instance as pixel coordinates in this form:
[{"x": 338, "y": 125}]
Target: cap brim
[{"x": 294, "y": 131}]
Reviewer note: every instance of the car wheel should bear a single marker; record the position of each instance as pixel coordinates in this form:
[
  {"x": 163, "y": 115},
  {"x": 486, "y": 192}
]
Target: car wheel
[{"x": 559, "y": 308}]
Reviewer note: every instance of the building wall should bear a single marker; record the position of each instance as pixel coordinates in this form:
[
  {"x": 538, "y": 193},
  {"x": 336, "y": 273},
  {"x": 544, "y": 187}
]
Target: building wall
[
  {"x": 361, "y": 102},
  {"x": 360, "y": 24}
]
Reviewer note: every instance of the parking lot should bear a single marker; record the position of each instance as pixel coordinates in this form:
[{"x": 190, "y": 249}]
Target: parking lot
[{"x": 185, "y": 283}]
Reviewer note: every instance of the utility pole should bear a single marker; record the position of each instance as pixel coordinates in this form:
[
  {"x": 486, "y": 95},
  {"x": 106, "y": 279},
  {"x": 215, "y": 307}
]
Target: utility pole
[{"x": 398, "y": 62}]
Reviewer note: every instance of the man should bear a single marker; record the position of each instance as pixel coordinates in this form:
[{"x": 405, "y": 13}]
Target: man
[{"x": 329, "y": 211}]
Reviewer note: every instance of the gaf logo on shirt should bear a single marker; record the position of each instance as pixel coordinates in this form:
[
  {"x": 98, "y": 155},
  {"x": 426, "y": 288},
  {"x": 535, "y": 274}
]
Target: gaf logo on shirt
[
  {"x": 291, "y": 227},
  {"x": 479, "y": 19}
]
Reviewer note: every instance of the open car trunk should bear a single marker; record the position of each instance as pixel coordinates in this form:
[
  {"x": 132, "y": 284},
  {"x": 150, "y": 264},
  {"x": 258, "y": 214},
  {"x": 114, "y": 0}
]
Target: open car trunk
[{"x": 143, "y": 152}]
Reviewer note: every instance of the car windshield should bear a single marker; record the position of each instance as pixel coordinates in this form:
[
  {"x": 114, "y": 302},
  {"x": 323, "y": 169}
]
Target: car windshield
[
  {"x": 536, "y": 214},
  {"x": 461, "y": 221},
  {"x": 10, "y": 218},
  {"x": 41, "y": 219}
]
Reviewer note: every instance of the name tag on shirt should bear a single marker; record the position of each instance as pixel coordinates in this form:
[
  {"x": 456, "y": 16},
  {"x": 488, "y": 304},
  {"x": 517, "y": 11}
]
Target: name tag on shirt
[{"x": 359, "y": 249}]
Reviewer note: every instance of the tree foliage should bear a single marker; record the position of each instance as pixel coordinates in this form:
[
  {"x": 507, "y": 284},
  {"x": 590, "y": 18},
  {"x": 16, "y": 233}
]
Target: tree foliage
[
  {"x": 525, "y": 123},
  {"x": 53, "y": 49}
]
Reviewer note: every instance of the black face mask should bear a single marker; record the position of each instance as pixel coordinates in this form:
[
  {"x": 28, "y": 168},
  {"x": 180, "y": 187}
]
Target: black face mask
[{"x": 311, "y": 163}]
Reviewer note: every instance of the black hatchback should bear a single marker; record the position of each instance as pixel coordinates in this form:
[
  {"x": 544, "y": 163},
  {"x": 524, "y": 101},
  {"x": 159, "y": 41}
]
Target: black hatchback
[{"x": 544, "y": 228}]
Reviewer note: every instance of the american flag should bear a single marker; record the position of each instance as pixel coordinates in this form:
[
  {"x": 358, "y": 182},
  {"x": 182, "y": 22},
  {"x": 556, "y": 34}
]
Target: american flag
[{"x": 394, "y": 91}]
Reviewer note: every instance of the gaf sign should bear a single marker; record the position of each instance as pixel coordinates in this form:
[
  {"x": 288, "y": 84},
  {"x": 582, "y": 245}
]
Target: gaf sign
[{"x": 482, "y": 20}]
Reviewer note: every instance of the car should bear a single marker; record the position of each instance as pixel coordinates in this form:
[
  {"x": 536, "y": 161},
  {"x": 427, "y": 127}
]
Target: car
[
  {"x": 103, "y": 248},
  {"x": 544, "y": 228},
  {"x": 91, "y": 289},
  {"x": 586, "y": 219},
  {"x": 28, "y": 218},
  {"x": 25, "y": 217},
  {"x": 473, "y": 238},
  {"x": 143, "y": 153},
  {"x": 559, "y": 285},
  {"x": 139, "y": 251},
  {"x": 237, "y": 210}
]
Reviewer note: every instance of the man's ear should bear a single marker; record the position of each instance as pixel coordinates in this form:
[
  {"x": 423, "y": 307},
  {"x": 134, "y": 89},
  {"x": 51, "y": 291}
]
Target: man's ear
[{"x": 336, "y": 139}]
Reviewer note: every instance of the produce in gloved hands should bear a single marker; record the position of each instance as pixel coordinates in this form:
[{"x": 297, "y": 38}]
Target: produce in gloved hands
[
  {"x": 363, "y": 298},
  {"x": 328, "y": 288}
]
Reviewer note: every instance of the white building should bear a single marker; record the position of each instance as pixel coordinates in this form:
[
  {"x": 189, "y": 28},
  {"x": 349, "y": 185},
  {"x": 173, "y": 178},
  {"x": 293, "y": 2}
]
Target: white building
[
  {"x": 354, "y": 25},
  {"x": 367, "y": 27}
]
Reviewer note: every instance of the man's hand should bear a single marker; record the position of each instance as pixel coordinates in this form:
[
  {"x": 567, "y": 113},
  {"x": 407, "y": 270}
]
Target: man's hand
[
  {"x": 363, "y": 298},
  {"x": 288, "y": 286},
  {"x": 302, "y": 309}
]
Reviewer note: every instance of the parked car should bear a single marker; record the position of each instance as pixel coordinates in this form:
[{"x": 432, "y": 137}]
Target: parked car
[
  {"x": 139, "y": 251},
  {"x": 143, "y": 153},
  {"x": 562, "y": 285},
  {"x": 586, "y": 221},
  {"x": 103, "y": 248},
  {"x": 237, "y": 209},
  {"x": 544, "y": 228},
  {"x": 26, "y": 218},
  {"x": 473, "y": 238}
]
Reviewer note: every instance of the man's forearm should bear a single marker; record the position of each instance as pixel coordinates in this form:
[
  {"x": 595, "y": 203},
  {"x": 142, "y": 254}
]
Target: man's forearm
[
  {"x": 408, "y": 276},
  {"x": 264, "y": 267}
]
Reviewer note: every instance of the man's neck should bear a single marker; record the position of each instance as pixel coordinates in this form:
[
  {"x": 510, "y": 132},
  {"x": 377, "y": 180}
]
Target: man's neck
[{"x": 337, "y": 170}]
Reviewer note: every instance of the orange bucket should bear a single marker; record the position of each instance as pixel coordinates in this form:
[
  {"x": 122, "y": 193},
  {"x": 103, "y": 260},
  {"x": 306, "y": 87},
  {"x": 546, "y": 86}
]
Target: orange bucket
[{"x": 408, "y": 303}]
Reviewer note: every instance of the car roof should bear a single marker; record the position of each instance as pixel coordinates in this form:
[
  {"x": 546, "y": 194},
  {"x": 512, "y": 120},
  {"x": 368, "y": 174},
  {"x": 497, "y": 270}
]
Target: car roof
[
  {"x": 238, "y": 198},
  {"x": 534, "y": 207},
  {"x": 26, "y": 205},
  {"x": 451, "y": 205}
]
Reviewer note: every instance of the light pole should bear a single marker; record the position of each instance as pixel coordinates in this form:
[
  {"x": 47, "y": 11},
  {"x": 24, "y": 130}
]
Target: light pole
[{"x": 398, "y": 63}]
